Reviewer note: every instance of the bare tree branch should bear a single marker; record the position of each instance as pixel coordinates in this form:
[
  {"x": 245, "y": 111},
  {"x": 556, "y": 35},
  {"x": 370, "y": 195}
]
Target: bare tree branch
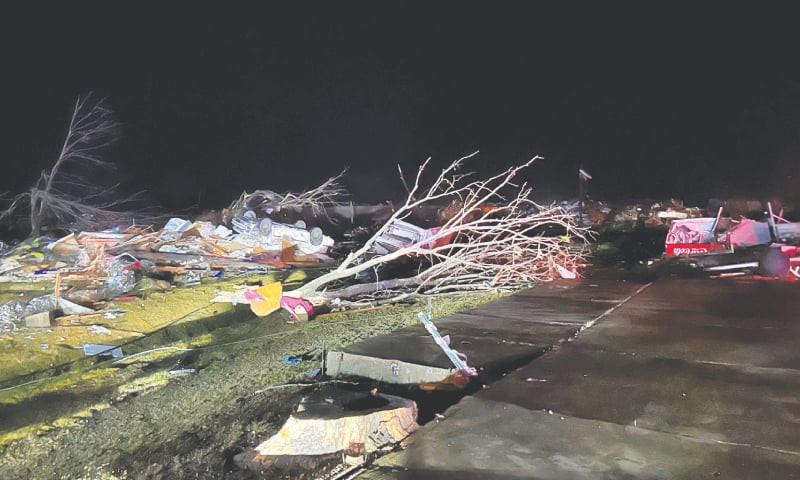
[
  {"x": 490, "y": 242},
  {"x": 326, "y": 195}
]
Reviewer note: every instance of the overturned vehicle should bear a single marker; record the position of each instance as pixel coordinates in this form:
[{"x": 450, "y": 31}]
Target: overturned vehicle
[{"x": 725, "y": 246}]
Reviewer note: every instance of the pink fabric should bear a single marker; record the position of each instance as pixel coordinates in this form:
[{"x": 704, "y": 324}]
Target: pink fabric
[
  {"x": 253, "y": 295},
  {"x": 291, "y": 303}
]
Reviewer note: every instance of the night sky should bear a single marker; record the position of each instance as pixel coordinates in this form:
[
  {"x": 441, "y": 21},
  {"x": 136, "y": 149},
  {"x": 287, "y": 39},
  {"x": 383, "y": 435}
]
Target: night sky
[{"x": 656, "y": 100}]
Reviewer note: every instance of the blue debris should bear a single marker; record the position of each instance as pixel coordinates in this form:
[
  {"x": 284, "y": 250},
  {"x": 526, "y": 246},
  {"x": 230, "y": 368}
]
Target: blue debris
[
  {"x": 91, "y": 349},
  {"x": 292, "y": 359}
]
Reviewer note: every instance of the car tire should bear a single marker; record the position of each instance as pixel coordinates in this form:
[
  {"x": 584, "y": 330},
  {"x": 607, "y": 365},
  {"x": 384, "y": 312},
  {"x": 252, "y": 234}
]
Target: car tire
[
  {"x": 315, "y": 236},
  {"x": 265, "y": 227},
  {"x": 773, "y": 263}
]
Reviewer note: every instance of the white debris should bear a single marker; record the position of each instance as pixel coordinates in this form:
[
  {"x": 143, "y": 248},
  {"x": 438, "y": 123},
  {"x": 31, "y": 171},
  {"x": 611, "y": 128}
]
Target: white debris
[{"x": 99, "y": 329}]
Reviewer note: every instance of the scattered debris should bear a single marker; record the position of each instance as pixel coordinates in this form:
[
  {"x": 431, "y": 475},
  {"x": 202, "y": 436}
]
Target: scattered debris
[
  {"x": 479, "y": 241},
  {"x": 399, "y": 234}
]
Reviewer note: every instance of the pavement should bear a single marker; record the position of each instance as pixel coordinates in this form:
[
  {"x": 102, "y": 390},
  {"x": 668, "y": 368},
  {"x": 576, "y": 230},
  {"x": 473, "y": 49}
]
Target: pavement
[
  {"x": 678, "y": 379},
  {"x": 495, "y": 337}
]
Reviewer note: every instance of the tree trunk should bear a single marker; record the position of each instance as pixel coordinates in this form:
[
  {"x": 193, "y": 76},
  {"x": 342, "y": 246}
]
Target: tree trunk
[
  {"x": 36, "y": 213},
  {"x": 362, "y": 288}
]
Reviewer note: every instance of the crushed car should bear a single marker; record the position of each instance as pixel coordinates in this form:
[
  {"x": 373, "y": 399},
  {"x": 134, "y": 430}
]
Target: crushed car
[{"x": 725, "y": 246}]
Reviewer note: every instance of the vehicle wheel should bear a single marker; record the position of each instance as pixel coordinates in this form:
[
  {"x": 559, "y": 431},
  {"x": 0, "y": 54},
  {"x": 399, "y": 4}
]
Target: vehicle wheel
[
  {"x": 773, "y": 263},
  {"x": 315, "y": 236},
  {"x": 265, "y": 227}
]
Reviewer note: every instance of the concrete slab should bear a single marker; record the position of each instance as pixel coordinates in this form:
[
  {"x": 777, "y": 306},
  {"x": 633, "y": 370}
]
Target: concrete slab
[
  {"x": 753, "y": 324},
  {"x": 507, "y": 331},
  {"x": 39, "y": 320},
  {"x": 494, "y": 337},
  {"x": 609, "y": 290},
  {"x": 692, "y": 340},
  {"x": 411, "y": 345},
  {"x": 546, "y": 310},
  {"x": 722, "y": 302},
  {"x": 704, "y": 401},
  {"x": 688, "y": 379},
  {"x": 338, "y": 363},
  {"x": 481, "y": 438},
  {"x": 410, "y": 356}
]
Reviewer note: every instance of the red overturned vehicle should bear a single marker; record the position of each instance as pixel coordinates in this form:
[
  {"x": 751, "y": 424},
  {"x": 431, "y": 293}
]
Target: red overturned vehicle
[{"x": 727, "y": 247}]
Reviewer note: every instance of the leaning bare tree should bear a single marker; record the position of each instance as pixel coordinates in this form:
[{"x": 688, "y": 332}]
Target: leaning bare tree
[
  {"x": 61, "y": 197},
  {"x": 492, "y": 240}
]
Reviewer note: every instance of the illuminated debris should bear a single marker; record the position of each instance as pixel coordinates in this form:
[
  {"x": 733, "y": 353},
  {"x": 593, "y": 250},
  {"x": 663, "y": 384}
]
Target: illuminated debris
[
  {"x": 724, "y": 245},
  {"x": 264, "y": 300},
  {"x": 490, "y": 236},
  {"x": 331, "y": 423},
  {"x": 400, "y": 234},
  {"x": 299, "y": 309},
  {"x": 274, "y": 236}
]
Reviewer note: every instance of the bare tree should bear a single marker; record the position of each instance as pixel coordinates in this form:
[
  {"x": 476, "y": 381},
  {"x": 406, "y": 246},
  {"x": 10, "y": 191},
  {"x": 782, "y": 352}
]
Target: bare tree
[
  {"x": 491, "y": 240},
  {"x": 65, "y": 197}
]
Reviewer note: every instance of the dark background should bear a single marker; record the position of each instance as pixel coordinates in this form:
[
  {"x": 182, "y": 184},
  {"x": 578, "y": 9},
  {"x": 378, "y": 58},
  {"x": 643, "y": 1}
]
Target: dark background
[{"x": 656, "y": 100}]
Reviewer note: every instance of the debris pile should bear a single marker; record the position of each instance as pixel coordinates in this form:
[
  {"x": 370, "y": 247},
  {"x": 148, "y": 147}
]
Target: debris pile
[
  {"x": 457, "y": 235},
  {"x": 607, "y": 217},
  {"x": 479, "y": 241},
  {"x": 91, "y": 267}
]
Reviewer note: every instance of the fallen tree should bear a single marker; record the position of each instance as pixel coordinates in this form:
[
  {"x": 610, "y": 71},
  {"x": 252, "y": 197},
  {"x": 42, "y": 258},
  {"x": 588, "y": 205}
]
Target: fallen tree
[
  {"x": 495, "y": 238},
  {"x": 325, "y": 196},
  {"x": 63, "y": 198}
]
